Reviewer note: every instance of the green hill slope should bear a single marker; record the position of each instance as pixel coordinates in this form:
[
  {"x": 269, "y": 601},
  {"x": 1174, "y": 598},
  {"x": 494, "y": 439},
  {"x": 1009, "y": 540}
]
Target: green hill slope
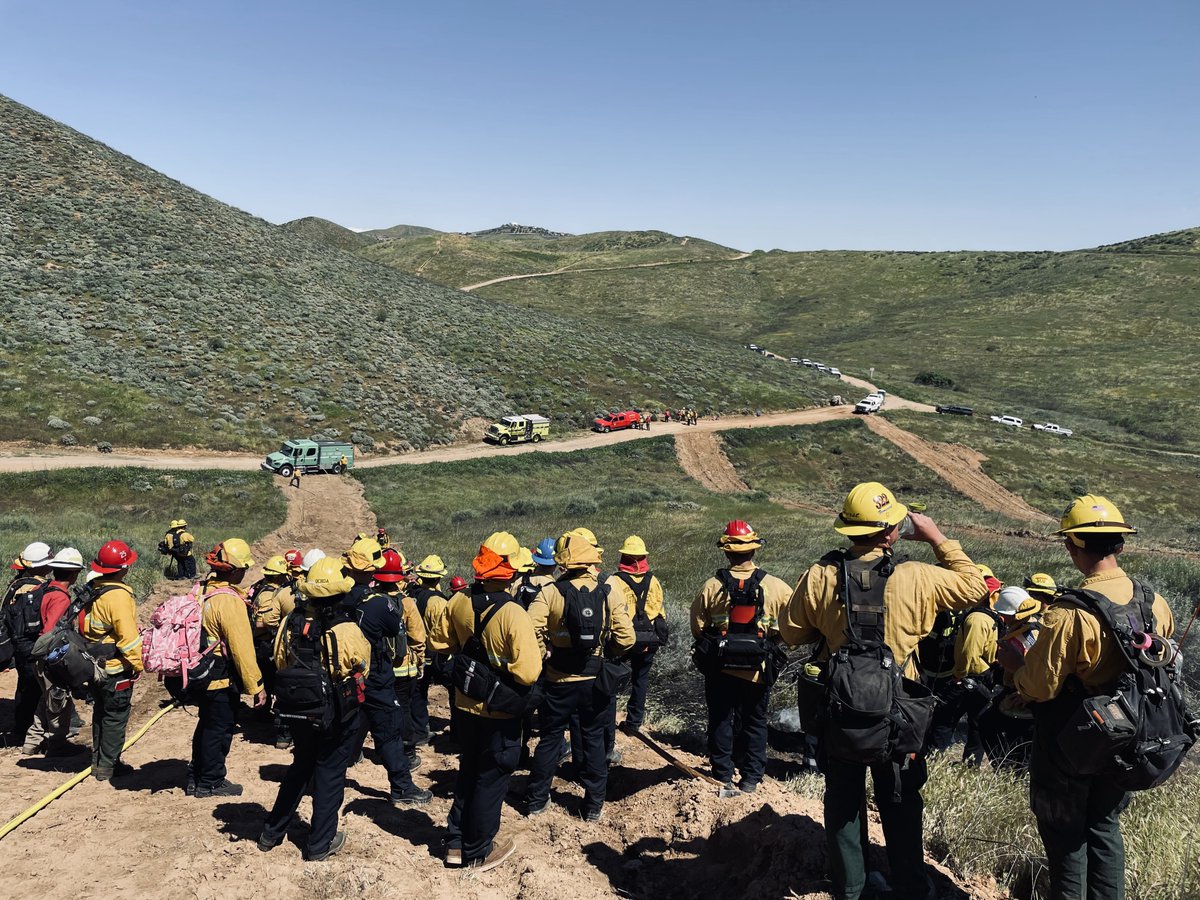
[
  {"x": 142, "y": 312},
  {"x": 400, "y": 231},
  {"x": 460, "y": 260},
  {"x": 325, "y": 232},
  {"x": 1094, "y": 338}
]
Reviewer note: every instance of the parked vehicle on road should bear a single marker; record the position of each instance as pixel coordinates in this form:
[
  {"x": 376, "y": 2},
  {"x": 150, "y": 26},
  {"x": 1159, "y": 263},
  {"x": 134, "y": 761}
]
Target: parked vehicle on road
[
  {"x": 955, "y": 410},
  {"x": 616, "y": 421},
  {"x": 868, "y": 405},
  {"x": 518, "y": 430},
  {"x": 806, "y": 362},
  {"x": 1051, "y": 428},
  {"x": 310, "y": 457},
  {"x": 835, "y": 371},
  {"x": 795, "y": 360},
  {"x": 1011, "y": 421}
]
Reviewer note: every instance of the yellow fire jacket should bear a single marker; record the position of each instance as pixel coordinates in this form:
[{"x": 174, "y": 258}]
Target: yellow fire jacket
[
  {"x": 509, "y": 641},
  {"x": 435, "y": 613},
  {"x": 272, "y": 604},
  {"x": 975, "y": 645},
  {"x": 655, "y": 608},
  {"x": 549, "y": 607},
  {"x": 1073, "y": 642},
  {"x": 113, "y": 620},
  {"x": 354, "y": 650},
  {"x": 179, "y": 541},
  {"x": 914, "y": 594},
  {"x": 226, "y": 623},
  {"x": 710, "y": 609},
  {"x": 414, "y": 626}
]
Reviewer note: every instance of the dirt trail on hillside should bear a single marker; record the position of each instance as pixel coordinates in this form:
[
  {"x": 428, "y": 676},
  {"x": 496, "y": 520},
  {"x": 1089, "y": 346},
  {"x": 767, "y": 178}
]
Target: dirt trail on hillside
[
  {"x": 702, "y": 458},
  {"x": 567, "y": 270},
  {"x": 29, "y": 458},
  {"x": 960, "y": 467}
]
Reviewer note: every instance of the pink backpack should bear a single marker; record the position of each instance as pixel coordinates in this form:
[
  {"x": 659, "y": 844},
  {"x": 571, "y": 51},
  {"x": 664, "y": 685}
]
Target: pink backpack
[{"x": 171, "y": 645}]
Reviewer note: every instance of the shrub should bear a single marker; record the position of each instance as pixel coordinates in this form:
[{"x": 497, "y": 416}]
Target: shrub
[{"x": 934, "y": 379}]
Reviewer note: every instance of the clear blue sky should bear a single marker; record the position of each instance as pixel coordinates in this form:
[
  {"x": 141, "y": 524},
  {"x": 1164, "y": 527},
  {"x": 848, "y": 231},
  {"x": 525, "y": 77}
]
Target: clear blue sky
[{"x": 799, "y": 125}]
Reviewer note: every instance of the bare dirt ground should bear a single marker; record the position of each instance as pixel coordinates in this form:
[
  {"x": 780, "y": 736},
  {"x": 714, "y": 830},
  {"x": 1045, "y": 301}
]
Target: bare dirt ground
[
  {"x": 959, "y": 467},
  {"x": 701, "y": 456},
  {"x": 664, "y": 834}
]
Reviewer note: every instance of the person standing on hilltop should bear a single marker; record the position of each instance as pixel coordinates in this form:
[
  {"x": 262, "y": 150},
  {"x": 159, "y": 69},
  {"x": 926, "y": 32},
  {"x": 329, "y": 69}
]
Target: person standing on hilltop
[
  {"x": 867, "y": 613},
  {"x": 111, "y": 621},
  {"x": 735, "y": 623},
  {"x": 1077, "y": 656},
  {"x": 225, "y": 626}
]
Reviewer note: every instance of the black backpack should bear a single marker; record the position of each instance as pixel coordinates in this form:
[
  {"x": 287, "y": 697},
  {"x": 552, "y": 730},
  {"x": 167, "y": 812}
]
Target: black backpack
[
  {"x": 935, "y": 651},
  {"x": 744, "y": 645},
  {"x": 648, "y": 633},
  {"x": 1139, "y": 732},
  {"x": 305, "y": 690},
  {"x": 422, "y": 596},
  {"x": 867, "y": 711},
  {"x": 585, "y": 616},
  {"x": 527, "y": 591},
  {"x": 69, "y": 660},
  {"x": 23, "y": 618},
  {"x": 392, "y": 647},
  {"x": 473, "y": 673}
]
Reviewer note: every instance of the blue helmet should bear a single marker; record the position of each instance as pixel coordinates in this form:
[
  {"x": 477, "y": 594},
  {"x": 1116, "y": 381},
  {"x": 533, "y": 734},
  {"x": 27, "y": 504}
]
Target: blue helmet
[{"x": 544, "y": 555}]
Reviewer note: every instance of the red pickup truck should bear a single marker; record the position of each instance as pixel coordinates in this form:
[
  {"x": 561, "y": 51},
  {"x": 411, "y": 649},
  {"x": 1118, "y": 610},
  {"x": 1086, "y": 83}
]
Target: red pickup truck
[{"x": 616, "y": 421}]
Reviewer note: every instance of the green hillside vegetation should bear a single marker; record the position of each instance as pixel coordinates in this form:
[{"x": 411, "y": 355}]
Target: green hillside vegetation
[
  {"x": 325, "y": 232},
  {"x": 1101, "y": 337},
  {"x": 134, "y": 505},
  {"x": 400, "y": 231},
  {"x": 141, "y": 312},
  {"x": 459, "y": 260}
]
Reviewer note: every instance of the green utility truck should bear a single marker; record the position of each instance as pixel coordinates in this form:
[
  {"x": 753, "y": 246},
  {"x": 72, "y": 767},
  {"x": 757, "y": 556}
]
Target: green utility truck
[
  {"x": 518, "y": 429},
  {"x": 310, "y": 457}
]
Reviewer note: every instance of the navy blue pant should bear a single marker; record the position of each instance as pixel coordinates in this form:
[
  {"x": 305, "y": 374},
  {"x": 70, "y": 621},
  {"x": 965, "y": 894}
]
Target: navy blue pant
[
  {"x": 490, "y": 749},
  {"x": 215, "y": 724},
  {"x": 321, "y": 757},
  {"x": 563, "y": 699},
  {"x": 405, "y": 689},
  {"x": 737, "y": 722},
  {"x": 381, "y": 717},
  {"x": 639, "y": 688}
]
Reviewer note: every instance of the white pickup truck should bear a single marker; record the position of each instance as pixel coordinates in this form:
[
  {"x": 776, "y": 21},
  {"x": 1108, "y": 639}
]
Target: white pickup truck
[
  {"x": 1011, "y": 421},
  {"x": 871, "y": 403},
  {"x": 1051, "y": 428}
]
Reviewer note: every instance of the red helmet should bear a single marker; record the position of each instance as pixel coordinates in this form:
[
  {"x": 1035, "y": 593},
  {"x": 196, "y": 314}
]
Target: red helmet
[
  {"x": 738, "y": 528},
  {"x": 458, "y": 583},
  {"x": 115, "y": 556},
  {"x": 392, "y": 569},
  {"x": 294, "y": 559}
]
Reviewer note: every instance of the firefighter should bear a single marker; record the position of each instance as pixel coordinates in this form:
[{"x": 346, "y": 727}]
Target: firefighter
[
  {"x": 55, "y": 714},
  {"x": 430, "y": 603},
  {"x": 409, "y": 666},
  {"x": 1006, "y": 727},
  {"x": 178, "y": 543},
  {"x": 740, "y": 599},
  {"x": 112, "y": 621},
  {"x": 1079, "y": 817},
  {"x": 320, "y": 757},
  {"x": 225, "y": 626},
  {"x": 579, "y": 623},
  {"x": 643, "y": 596},
  {"x": 490, "y": 741},
  {"x": 912, "y": 594},
  {"x": 272, "y": 599},
  {"x": 378, "y": 609},
  {"x": 976, "y": 677},
  {"x": 21, "y": 609}
]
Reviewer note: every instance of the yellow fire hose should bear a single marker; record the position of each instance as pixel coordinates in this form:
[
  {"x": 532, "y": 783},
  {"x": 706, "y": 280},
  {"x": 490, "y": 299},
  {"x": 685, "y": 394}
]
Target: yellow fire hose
[{"x": 63, "y": 788}]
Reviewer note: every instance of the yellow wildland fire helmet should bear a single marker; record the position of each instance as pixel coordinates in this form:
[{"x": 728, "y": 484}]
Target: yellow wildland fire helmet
[
  {"x": 1092, "y": 514},
  {"x": 364, "y": 555},
  {"x": 502, "y": 543},
  {"x": 869, "y": 508},
  {"x": 326, "y": 579},
  {"x": 235, "y": 553},
  {"x": 431, "y": 567},
  {"x": 634, "y": 546},
  {"x": 1041, "y": 583},
  {"x": 276, "y": 565}
]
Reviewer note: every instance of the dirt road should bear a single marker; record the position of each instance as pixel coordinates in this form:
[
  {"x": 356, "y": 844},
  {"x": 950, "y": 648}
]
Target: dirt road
[
  {"x": 959, "y": 467},
  {"x": 35, "y": 459},
  {"x": 701, "y": 456},
  {"x": 567, "y": 270}
]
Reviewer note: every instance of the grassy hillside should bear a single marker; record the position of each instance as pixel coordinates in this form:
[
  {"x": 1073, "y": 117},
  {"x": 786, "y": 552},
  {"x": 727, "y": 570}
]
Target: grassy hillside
[
  {"x": 460, "y": 260},
  {"x": 400, "y": 231},
  {"x": 1100, "y": 337},
  {"x": 134, "y": 505},
  {"x": 325, "y": 232},
  {"x": 141, "y": 312}
]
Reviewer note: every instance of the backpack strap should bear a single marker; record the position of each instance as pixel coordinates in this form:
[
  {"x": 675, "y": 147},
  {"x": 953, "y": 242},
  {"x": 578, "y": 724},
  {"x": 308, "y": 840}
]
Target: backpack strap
[
  {"x": 640, "y": 591},
  {"x": 1122, "y": 621},
  {"x": 860, "y": 587}
]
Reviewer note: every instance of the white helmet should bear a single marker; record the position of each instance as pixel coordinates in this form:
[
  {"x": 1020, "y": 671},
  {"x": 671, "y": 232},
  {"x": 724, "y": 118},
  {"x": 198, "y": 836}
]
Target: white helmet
[
  {"x": 1010, "y": 600},
  {"x": 36, "y": 555},
  {"x": 67, "y": 558},
  {"x": 311, "y": 557}
]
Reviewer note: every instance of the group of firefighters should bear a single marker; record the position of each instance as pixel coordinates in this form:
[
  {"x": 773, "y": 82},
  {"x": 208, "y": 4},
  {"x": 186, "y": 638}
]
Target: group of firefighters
[{"x": 542, "y": 642}]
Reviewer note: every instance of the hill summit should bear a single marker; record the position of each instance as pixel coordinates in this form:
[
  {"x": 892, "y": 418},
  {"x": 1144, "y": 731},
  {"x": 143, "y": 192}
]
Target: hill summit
[{"x": 142, "y": 312}]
